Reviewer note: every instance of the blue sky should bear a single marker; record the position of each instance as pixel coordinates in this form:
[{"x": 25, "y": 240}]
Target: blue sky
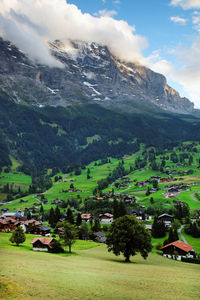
[
  {"x": 164, "y": 35},
  {"x": 168, "y": 26}
]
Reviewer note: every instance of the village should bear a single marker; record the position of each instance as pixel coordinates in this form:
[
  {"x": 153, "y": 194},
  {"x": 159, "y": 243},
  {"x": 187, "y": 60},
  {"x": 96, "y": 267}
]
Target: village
[{"x": 31, "y": 220}]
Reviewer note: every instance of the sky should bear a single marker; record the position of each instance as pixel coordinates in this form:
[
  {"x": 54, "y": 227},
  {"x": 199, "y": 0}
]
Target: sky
[{"x": 164, "y": 35}]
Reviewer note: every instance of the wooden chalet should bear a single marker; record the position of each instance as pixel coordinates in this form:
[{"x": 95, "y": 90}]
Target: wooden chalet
[
  {"x": 106, "y": 218},
  {"x": 86, "y": 217},
  {"x": 7, "y": 224},
  {"x": 43, "y": 230},
  {"x": 42, "y": 244},
  {"x": 166, "y": 219},
  {"x": 178, "y": 249},
  {"x": 99, "y": 237}
]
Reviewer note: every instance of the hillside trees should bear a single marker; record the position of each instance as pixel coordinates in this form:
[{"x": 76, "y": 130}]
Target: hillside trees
[{"x": 128, "y": 236}]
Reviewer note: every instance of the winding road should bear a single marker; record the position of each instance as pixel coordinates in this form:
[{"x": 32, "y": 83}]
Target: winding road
[
  {"x": 182, "y": 236},
  {"x": 192, "y": 196}
]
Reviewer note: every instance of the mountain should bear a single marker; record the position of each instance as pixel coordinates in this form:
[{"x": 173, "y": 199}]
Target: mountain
[
  {"x": 93, "y": 107},
  {"x": 90, "y": 74}
]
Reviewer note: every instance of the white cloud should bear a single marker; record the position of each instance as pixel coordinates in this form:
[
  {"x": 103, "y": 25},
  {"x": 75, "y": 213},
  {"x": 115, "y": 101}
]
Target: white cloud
[
  {"x": 186, "y": 4},
  {"x": 196, "y": 21},
  {"x": 116, "y": 1},
  {"x": 104, "y": 1},
  {"x": 30, "y": 23},
  {"x": 179, "y": 20},
  {"x": 106, "y": 13},
  {"x": 187, "y": 75}
]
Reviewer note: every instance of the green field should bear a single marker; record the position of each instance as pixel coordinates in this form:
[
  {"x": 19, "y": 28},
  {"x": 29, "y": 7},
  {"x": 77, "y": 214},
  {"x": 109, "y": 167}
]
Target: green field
[
  {"x": 94, "y": 274},
  {"x": 97, "y": 172}
]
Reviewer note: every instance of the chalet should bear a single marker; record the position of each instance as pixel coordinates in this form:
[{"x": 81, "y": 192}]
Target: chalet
[
  {"x": 166, "y": 219},
  {"x": 7, "y": 224},
  {"x": 106, "y": 218},
  {"x": 178, "y": 249},
  {"x": 157, "y": 178},
  {"x": 86, "y": 217},
  {"x": 43, "y": 230},
  {"x": 143, "y": 183},
  {"x": 148, "y": 227},
  {"x": 42, "y": 244},
  {"x": 178, "y": 202},
  {"x": 99, "y": 237},
  {"x": 179, "y": 165},
  {"x": 23, "y": 201},
  {"x": 165, "y": 179},
  {"x": 3, "y": 210},
  {"x": 45, "y": 201}
]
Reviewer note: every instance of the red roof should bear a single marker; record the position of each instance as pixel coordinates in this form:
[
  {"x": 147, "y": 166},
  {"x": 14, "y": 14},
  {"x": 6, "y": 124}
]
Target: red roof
[
  {"x": 44, "y": 241},
  {"x": 179, "y": 244}
]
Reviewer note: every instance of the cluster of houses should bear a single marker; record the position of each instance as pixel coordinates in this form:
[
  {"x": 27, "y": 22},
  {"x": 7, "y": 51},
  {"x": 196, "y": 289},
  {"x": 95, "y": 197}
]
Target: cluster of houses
[
  {"x": 105, "y": 218},
  {"x": 174, "y": 190},
  {"x": 9, "y": 221}
]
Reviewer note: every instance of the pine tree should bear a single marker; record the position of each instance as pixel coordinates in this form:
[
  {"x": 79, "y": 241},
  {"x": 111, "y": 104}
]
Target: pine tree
[
  {"x": 52, "y": 221},
  {"x": 97, "y": 225},
  {"x": 158, "y": 228},
  {"x": 41, "y": 209},
  {"x": 70, "y": 217},
  {"x": 115, "y": 209},
  {"x": 57, "y": 214},
  {"x": 78, "y": 219},
  {"x": 18, "y": 236},
  {"x": 122, "y": 208}
]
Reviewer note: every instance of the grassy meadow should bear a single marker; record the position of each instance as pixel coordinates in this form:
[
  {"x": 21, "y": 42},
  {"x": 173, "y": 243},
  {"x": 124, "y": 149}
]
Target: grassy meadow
[{"x": 94, "y": 274}]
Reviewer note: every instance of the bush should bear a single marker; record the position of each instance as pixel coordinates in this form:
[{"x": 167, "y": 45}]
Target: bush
[
  {"x": 56, "y": 247},
  {"x": 159, "y": 246},
  {"x": 191, "y": 260}
]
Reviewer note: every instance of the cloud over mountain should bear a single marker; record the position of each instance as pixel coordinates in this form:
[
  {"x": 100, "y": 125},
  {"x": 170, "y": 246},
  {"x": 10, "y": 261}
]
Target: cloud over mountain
[{"x": 31, "y": 23}]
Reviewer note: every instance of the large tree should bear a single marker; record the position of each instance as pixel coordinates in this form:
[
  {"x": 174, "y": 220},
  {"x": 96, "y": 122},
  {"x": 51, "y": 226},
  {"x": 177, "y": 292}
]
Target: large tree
[
  {"x": 68, "y": 234},
  {"x": 127, "y": 235},
  {"x": 18, "y": 236}
]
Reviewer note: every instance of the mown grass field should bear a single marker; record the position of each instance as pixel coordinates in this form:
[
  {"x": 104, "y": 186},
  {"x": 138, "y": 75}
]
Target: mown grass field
[{"x": 94, "y": 274}]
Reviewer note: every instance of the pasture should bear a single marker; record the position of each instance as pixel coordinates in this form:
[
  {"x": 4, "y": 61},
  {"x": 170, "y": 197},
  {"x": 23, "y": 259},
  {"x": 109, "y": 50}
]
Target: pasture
[{"x": 94, "y": 274}]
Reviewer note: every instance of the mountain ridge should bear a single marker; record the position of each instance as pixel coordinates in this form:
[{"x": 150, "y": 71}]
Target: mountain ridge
[{"x": 90, "y": 74}]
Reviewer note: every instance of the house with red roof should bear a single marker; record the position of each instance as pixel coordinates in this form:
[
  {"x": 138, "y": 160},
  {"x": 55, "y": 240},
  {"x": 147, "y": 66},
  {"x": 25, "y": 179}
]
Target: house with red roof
[{"x": 178, "y": 249}]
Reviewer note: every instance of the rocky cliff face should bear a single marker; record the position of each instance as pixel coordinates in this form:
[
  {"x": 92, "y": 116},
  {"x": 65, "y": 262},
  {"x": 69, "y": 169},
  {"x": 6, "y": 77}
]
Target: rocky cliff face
[{"x": 91, "y": 74}]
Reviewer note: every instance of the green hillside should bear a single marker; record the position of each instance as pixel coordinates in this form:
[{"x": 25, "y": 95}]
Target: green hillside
[{"x": 94, "y": 274}]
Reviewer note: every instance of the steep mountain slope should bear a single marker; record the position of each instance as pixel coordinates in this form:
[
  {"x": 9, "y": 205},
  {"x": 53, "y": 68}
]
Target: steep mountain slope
[
  {"x": 90, "y": 74},
  {"x": 95, "y": 106}
]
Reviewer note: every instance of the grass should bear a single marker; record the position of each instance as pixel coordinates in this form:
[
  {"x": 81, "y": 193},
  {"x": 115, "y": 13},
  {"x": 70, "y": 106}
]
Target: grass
[
  {"x": 96, "y": 274},
  {"x": 15, "y": 178},
  {"x": 195, "y": 242},
  {"x": 26, "y": 246}
]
